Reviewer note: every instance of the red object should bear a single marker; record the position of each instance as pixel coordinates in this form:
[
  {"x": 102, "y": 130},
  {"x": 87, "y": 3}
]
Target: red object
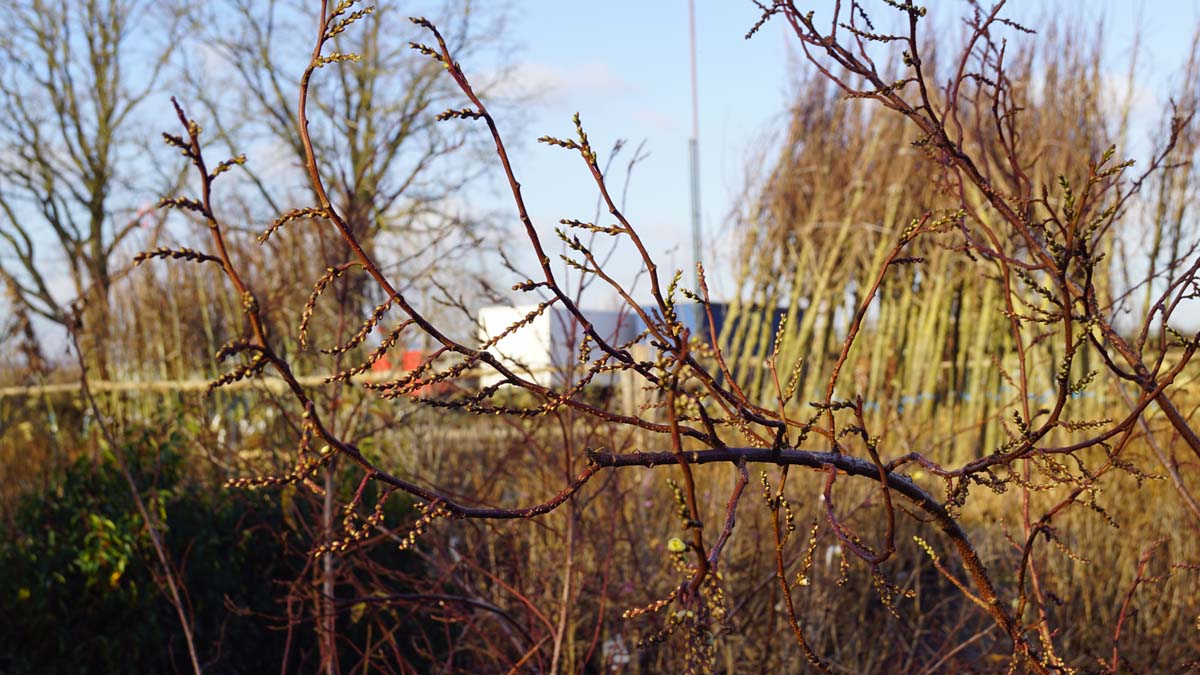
[
  {"x": 382, "y": 365},
  {"x": 411, "y": 359}
]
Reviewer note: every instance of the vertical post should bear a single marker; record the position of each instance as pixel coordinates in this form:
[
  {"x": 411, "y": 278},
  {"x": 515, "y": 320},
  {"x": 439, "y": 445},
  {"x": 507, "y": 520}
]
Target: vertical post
[
  {"x": 694, "y": 162},
  {"x": 327, "y": 616}
]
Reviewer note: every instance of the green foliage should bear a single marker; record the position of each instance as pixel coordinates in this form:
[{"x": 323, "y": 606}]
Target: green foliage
[
  {"x": 77, "y": 591},
  {"x": 80, "y": 583}
]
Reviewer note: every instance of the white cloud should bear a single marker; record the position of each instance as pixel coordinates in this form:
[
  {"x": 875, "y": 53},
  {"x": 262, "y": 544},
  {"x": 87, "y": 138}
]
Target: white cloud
[{"x": 557, "y": 83}]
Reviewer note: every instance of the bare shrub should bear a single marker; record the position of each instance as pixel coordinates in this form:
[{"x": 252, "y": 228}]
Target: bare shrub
[{"x": 884, "y": 513}]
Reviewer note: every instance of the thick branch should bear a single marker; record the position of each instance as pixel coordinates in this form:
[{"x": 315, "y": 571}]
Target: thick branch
[{"x": 852, "y": 466}]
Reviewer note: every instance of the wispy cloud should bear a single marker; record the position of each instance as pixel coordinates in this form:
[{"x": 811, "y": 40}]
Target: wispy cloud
[{"x": 559, "y": 83}]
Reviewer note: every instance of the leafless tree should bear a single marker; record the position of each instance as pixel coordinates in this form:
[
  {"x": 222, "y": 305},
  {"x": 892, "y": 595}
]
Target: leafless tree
[
  {"x": 74, "y": 78},
  {"x": 1043, "y": 251}
]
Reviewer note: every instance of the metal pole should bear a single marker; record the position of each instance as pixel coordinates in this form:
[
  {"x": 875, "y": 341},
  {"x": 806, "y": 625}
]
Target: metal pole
[
  {"x": 694, "y": 161},
  {"x": 694, "y": 147}
]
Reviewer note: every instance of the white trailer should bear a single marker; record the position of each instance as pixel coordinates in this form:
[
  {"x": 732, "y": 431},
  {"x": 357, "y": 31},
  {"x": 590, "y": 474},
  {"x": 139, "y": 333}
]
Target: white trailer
[{"x": 546, "y": 349}]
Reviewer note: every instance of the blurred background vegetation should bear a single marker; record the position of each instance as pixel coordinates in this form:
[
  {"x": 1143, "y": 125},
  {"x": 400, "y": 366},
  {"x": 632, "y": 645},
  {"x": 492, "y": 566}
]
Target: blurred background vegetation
[{"x": 80, "y": 590}]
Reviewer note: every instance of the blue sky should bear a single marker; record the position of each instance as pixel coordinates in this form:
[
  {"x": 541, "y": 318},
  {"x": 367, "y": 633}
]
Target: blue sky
[{"x": 623, "y": 65}]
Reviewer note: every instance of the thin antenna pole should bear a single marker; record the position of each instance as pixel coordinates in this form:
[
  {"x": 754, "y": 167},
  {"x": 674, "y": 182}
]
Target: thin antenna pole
[
  {"x": 695, "y": 98},
  {"x": 694, "y": 149}
]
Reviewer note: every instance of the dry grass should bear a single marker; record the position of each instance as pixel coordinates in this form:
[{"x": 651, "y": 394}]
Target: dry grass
[{"x": 916, "y": 474}]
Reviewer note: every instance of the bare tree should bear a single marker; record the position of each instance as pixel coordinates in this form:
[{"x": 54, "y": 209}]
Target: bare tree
[
  {"x": 1042, "y": 250},
  {"x": 379, "y": 145},
  {"x": 376, "y": 139},
  {"x": 72, "y": 81}
]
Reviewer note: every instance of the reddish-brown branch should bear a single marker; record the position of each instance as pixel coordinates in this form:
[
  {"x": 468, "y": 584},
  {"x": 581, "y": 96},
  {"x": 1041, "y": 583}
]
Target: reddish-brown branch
[
  {"x": 1139, "y": 579},
  {"x": 855, "y": 467}
]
